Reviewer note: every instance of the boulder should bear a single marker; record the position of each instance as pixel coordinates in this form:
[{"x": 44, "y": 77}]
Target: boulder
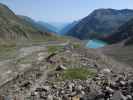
[
  {"x": 65, "y": 97},
  {"x": 70, "y": 86},
  {"x": 50, "y": 97},
  {"x": 117, "y": 96},
  {"x": 106, "y": 71},
  {"x": 79, "y": 88},
  {"x": 109, "y": 90},
  {"x": 43, "y": 89},
  {"x": 60, "y": 68},
  {"x": 75, "y": 98}
]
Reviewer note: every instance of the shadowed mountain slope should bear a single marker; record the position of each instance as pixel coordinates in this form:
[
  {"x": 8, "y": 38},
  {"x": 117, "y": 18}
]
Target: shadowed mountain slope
[
  {"x": 122, "y": 44},
  {"x": 100, "y": 22}
]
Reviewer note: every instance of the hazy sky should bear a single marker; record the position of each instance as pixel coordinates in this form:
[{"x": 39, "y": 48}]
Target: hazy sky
[{"x": 62, "y": 10}]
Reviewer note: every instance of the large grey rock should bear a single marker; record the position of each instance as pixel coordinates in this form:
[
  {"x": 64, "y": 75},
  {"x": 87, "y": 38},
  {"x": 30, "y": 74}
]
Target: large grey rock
[
  {"x": 60, "y": 68},
  {"x": 50, "y": 97},
  {"x": 117, "y": 96}
]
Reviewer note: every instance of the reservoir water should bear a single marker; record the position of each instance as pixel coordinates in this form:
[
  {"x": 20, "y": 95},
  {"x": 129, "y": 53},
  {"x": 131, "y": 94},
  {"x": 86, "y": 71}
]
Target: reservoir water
[{"x": 95, "y": 44}]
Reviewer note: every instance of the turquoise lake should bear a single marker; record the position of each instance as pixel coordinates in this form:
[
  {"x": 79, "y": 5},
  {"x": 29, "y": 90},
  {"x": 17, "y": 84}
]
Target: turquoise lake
[{"x": 95, "y": 44}]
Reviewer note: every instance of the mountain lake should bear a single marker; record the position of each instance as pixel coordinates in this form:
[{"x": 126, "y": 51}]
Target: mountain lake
[{"x": 95, "y": 43}]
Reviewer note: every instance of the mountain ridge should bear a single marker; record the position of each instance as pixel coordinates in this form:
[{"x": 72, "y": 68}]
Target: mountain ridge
[
  {"x": 37, "y": 24},
  {"x": 100, "y": 22},
  {"x": 14, "y": 28},
  {"x": 68, "y": 27}
]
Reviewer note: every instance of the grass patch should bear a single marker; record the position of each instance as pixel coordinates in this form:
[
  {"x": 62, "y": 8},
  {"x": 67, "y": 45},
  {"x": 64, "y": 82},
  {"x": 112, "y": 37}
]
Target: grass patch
[
  {"x": 7, "y": 51},
  {"x": 76, "y": 45},
  {"x": 26, "y": 60},
  {"x": 78, "y": 73},
  {"x": 53, "y": 49},
  {"x": 49, "y": 38}
]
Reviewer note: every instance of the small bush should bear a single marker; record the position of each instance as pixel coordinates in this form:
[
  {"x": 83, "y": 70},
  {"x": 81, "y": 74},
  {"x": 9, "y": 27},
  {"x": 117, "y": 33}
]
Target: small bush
[
  {"x": 52, "y": 49},
  {"x": 7, "y": 51},
  {"x": 78, "y": 73},
  {"x": 76, "y": 45}
]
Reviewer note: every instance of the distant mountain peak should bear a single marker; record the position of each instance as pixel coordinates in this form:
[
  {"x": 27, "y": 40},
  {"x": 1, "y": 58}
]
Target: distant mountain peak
[{"x": 100, "y": 22}]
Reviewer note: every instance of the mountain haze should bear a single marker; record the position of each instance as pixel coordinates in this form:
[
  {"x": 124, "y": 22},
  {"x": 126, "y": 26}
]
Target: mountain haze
[
  {"x": 68, "y": 27},
  {"x": 50, "y": 27}
]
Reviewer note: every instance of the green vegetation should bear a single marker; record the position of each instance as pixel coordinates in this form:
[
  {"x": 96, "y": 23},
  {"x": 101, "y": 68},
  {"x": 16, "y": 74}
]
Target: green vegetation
[
  {"x": 78, "y": 73},
  {"x": 39, "y": 40},
  {"x": 25, "y": 60},
  {"x": 76, "y": 45},
  {"x": 55, "y": 38},
  {"x": 52, "y": 49},
  {"x": 7, "y": 51}
]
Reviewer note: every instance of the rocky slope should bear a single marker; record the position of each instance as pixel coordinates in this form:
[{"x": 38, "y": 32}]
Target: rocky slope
[
  {"x": 120, "y": 52},
  {"x": 124, "y": 32},
  {"x": 58, "y": 68},
  {"x": 64, "y": 71},
  {"x": 44, "y": 27},
  {"x": 122, "y": 44},
  {"x": 14, "y": 28},
  {"x": 49, "y": 26},
  {"x": 37, "y": 25},
  {"x": 100, "y": 22}
]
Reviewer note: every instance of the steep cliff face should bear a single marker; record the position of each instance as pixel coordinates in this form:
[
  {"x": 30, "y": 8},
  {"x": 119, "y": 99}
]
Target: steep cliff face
[{"x": 101, "y": 22}]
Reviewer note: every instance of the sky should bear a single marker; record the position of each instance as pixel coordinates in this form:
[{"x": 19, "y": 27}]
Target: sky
[{"x": 62, "y": 10}]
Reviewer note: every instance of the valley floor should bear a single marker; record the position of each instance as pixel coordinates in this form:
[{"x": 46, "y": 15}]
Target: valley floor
[{"x": 61, "y": 71}]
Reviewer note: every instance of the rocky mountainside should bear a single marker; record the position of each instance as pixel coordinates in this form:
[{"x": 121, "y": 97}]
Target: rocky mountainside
[
  {"x": 59, "y": 68},
  {"x": 120, "y": 52},
  {"x": 14, "y": 28},
  {"x": 122, "y": 44},
  {"x": 100, "y": 22},
  {"x": 124, "y": 32},
  {"x": 44, "y": 27},
  {"x": 49, "y": 26},
  {"x": 59, "y": 25}
]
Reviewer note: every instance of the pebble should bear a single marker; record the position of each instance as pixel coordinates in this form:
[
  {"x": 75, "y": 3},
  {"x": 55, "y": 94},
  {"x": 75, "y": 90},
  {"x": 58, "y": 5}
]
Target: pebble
[{"x": 119, "y": 88}]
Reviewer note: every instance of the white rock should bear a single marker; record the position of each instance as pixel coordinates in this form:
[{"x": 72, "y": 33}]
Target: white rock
[
  {"x": 129, "y": 97},
  {"x": 106, "y": 70},
  {"x": 40, "y": 58},
  {"x": 122, "y": 83},
  {"x": 110, "y": 90},
  {"x": 47, "y": 88},
  {"x": 79, "y": 88},
  {"x": 50, "y": 97},
  {"x": 61, "y": 67}
]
